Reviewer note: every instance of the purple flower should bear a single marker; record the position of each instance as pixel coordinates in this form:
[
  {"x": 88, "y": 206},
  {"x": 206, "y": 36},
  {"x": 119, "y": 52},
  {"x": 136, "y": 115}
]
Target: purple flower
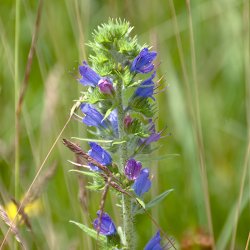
[
  {"x": 132, "y": 169},
  {"x": 106, "y": 86},
  {"x": 154, "y": 136},
  {"x": 154, "y": 243},
  {"x": 146, "y": 88},
  {"x": 100, "y": 155},
  {"x": 143, "y": 62},
  {"x": 127, "y": 121},
  {"x": 89, "y": 76},
  {"x": 105, "y": 225},
  {"x": 142, "y": 183},
  {"x": 92, "y": 116}
]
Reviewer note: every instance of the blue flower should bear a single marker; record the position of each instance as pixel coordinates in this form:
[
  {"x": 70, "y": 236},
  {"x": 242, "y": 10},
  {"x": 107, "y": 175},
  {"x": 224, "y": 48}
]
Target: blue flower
[
  {"x": 104, "y": 225},
  {"x": 114, "y": 121},
  {"x": 143, "y": 62},
  {"x": 154, "y": 243},
  {"x": 146, "y": 88},
  {"x": 92, "y": 116},
  {"x": 100, "y": 155},
  {"x": 132, "y": 169},
  {"x": 142, "y": 183},
  {"x": 89, "y": 76}
]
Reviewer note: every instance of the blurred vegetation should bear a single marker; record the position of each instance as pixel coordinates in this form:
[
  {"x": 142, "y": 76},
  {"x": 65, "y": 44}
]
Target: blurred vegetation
[{"x": 205, "y": 108}]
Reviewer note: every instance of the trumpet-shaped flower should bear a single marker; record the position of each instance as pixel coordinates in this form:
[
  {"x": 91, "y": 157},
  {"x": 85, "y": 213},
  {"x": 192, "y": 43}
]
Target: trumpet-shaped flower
[
  {"x": 146, "y": 88},
  {"x": 132, "y": 169},
  {"x": 89, "y": 76},
  {"x": 142, "y": 183},
  {"x": 154, "y": 243},
  {"x": 100, "y": 155},
  {"x": 143, "y": 62},
  {"x": 104, "y": 225},
  {"x": 92, "y": 116}
]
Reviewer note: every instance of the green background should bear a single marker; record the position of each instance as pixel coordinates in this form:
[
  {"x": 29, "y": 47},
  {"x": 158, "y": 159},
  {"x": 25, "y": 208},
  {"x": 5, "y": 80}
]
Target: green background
[{"x": 203, "y": 60}]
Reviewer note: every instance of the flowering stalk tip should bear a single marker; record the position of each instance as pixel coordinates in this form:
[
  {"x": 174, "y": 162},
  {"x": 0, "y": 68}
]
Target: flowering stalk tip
[{"x": 120, "y": 116}]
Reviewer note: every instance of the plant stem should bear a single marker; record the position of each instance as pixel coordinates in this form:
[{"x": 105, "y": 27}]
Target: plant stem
[
  {"x": 16, "y": 82},
  {"x": 126, "y": 201}
]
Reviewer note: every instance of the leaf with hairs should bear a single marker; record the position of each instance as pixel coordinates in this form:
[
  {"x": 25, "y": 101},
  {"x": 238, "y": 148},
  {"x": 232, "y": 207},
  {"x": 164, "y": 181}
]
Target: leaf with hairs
[
  {"x": 91, "y": 232},
  {"x": 153, "y": 202}
]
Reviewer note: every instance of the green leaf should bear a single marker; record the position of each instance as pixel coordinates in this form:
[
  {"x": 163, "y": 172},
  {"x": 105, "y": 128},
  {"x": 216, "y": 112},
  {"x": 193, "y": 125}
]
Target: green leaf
[
  {"x": 141, "y": 202},
  {"x": 87, "y": 173},
  {"x": 91, "y": 232},
  {"x": 92, "y": 139},
  {"x": 153, "y": 202},
  {"x": 142, "y": 105}
]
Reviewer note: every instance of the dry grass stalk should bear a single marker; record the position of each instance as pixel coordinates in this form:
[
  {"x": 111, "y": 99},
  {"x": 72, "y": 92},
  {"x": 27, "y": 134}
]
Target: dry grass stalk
[
  {"x": 37, "y": 188},
  {"x": 82, "y": 194},
  {"x": 12, "y": 226}
]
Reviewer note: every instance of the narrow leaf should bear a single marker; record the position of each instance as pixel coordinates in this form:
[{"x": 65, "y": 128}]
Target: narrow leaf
[
  {"x": 87, "y": 173},
  {"x": 153, "y": 202},
  {"x": 91, "y": 232}
]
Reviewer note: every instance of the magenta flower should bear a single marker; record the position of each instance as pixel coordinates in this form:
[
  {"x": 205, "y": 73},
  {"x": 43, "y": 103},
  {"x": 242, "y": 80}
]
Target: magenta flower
[{"x": 106, "y": 86}]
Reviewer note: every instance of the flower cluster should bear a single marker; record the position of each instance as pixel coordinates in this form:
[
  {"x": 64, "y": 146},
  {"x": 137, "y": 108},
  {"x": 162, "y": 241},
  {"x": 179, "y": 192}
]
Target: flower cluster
[{"x": 118, "y": 108}]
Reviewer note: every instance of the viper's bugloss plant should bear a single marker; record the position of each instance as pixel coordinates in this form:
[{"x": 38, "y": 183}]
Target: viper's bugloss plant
[{"x": 118, "y": 107}]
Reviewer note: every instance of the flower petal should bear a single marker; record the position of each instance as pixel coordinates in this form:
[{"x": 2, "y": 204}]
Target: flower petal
[
  {"x": 106, "y": 226},
  {"x": 89, "y": 76}
]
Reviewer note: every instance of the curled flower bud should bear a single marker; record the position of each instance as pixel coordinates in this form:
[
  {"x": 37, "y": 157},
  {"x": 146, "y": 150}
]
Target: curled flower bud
[
  {"x": 127, "y": 121},
  {"x": 89, "y": 76},
  {"x": 92, "y": 116},
  {"x": 142, "y": 183},
  {"x": 143, "y": 62},
  {"x": 106, "y": 86},
  {"x": 104, "y": 225},
  {"x": 154, "y": 243},
  {"x": 100, "y": 155},
  {"x": 146, "y": 88},
  {"x": 132, "y": 169}
]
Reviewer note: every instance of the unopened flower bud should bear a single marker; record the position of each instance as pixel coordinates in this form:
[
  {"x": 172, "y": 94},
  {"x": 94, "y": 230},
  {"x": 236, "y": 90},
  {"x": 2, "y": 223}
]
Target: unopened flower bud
[{"x": 106, "y": 86}]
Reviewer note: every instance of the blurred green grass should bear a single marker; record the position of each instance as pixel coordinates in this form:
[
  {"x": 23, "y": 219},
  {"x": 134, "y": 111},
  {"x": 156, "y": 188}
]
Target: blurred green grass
[{"x": 221, "y": 40}]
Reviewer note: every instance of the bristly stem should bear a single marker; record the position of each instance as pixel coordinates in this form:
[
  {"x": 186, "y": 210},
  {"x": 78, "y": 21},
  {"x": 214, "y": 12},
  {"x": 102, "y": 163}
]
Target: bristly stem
[{"x": 126, "y": 201}]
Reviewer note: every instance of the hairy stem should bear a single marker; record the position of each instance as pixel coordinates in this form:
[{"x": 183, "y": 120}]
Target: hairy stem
[{"x": 126, "y": 201}]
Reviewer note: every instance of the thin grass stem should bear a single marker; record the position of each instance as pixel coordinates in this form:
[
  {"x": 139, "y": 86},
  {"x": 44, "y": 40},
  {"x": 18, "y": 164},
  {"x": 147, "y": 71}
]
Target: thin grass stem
[
  {"x": 33, "y": 182},
  {"x": 198, "y": 130}
]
